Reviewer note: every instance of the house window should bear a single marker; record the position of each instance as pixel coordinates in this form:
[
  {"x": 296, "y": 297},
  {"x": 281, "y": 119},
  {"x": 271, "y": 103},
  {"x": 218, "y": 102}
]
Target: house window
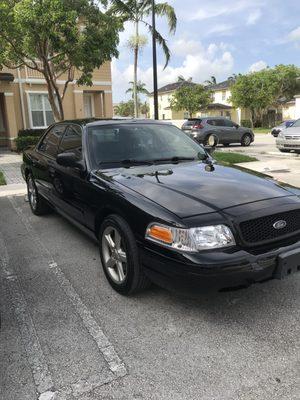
[
  {"x": 223, "y": 94},
  {"x": 41, "y": 115}
]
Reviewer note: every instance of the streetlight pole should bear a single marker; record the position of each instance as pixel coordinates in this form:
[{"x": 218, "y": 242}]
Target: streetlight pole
[{"x": 155, "y": 94}]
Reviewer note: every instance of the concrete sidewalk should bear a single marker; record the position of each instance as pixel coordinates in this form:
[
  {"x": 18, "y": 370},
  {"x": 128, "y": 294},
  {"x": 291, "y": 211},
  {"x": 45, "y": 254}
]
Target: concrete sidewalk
[
  {"x": 287, "y": 170},
  {"x": 10, "y": 164}
]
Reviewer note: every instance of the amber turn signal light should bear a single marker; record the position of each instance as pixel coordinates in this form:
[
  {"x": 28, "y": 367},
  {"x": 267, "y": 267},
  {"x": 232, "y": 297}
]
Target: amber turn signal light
[{"x": 160, "y": 233}]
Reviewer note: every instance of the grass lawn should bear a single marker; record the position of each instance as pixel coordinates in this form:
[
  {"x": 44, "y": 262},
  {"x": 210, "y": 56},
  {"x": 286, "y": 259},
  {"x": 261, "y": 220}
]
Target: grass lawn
[
  {"x": 2, "y": 180},
  {"x": 232, "y": 158},
  {"x": 261, "y": 130}
]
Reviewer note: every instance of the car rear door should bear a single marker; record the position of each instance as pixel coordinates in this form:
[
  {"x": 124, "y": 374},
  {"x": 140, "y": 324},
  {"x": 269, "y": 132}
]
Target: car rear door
[{"x": 44, "y": 158}]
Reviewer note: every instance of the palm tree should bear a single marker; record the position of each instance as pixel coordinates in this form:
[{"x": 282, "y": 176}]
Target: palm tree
[
  {"x": 211, "y": 81},
  {"x": 140, "y": 88},
  {"x": 137, "y": 11},
  {"x": 182, "y": 79}
]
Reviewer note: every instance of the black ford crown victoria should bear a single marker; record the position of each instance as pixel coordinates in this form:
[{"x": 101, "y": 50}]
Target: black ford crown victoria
[{"x": 161, "y": 209}]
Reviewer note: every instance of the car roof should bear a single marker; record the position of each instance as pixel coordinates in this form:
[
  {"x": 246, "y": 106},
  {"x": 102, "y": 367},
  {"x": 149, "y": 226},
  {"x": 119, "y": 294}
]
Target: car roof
[{"x": 127, "y": 122}]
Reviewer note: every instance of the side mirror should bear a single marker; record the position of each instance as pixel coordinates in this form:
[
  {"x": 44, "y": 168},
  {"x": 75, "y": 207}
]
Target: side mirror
[
  {"x": 237, "y": 126},
  {"x": 69, "y": 160}
]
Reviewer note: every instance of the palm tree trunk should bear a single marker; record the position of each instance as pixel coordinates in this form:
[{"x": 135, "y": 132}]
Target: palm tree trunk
[{"x": 136, "y": 54}]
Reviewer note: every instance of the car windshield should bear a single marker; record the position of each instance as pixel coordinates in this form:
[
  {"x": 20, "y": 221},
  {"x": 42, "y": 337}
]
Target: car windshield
[
  {"x": 112, "y": 145},
  {"x": 296, "y": 124}
]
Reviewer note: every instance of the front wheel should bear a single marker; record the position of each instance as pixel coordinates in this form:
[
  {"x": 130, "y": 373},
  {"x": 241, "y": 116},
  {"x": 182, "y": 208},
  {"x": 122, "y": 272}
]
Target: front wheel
[
  {"x": 246, "y": 140},
  {"x": 119, "y": 256},
  {"x": 37, "y": 204}
]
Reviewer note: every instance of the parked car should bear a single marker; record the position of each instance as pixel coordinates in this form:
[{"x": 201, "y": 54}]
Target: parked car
[
  {"x": 289, "y": 139},
  {"x": 285, "y": 124},
  {"x": 227, "y": 131},
  {"x": 161, "y": 209}
]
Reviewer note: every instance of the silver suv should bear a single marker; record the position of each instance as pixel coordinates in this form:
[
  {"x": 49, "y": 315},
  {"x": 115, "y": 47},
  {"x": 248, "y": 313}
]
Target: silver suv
[
  {"x": 227, "y": 131},
  {"x": 289, "y": 138}
]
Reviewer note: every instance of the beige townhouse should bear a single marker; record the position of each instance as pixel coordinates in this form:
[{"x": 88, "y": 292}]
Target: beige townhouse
[{"x": 24, "y": 102}]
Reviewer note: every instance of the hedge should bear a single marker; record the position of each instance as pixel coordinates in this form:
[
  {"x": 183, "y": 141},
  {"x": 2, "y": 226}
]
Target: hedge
[
  {"x": 24, "y": 141},
  {"x": 246, "y": 123},
  {"x": 27, "y": 137},
  {"x": 30, "y": 132}
]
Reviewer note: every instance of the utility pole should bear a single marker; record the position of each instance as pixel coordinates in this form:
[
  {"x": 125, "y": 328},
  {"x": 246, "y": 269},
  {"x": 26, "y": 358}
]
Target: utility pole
[{"x": 155, "y": 94}]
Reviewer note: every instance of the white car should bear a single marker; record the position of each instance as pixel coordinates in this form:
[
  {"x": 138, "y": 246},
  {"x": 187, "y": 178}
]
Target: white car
[{"x": 289, "y": 138}]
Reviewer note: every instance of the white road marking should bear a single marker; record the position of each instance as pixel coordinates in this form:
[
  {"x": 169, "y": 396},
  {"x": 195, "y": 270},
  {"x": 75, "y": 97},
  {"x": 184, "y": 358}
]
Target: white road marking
[{"x": 116, "y": 365}]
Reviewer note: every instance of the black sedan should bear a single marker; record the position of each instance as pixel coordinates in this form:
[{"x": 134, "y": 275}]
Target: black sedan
[{"x": 161, "y": 209}]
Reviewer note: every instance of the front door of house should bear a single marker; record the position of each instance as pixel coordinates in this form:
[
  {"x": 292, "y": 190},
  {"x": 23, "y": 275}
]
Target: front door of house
[{"x": 88, "y": 105}]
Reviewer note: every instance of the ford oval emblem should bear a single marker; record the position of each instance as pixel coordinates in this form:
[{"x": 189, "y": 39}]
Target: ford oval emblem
[{"x": 279, "y": 224}]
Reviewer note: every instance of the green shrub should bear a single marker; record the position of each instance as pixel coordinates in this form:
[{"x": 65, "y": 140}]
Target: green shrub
[
  {"x": 30, "y": 132},
  {"x": 24, "y": 141},
  {"x": 246, "y": 123}
]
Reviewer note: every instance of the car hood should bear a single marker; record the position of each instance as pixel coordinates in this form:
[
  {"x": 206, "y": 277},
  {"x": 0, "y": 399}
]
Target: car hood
[
  {"x": 188, "y": 189},
  {"x": 291, "y": 131}
]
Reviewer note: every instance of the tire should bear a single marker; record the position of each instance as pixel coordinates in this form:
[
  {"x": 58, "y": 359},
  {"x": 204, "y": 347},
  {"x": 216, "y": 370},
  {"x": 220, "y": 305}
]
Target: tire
[
  {"x": 120, "y": 258},
  {"x": 284, "y": 150},
  {"x": 226, "y": 144},
  {"x": 38, "y": 205},
  {"x": 246, "y": 140},
  {"x": 208, "y": 137}
]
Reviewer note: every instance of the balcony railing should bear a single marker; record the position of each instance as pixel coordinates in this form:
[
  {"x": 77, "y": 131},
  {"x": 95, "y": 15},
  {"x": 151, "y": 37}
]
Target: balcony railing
[{"x": 31, "y": 73}]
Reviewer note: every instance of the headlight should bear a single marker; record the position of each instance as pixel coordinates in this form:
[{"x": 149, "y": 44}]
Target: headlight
[{"x": 193, "y": 239}]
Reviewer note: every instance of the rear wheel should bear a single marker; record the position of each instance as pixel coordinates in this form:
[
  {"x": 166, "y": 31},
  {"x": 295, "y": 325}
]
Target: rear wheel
[
  {"x": 119, "y": 256},
  {"x": 284, "y": 150},
  {"x": 246, "y": 140},
  {"x": 226, "y": 144},
  {"x": 211, "y": 140},
  {"x": 38, "y": 205}
]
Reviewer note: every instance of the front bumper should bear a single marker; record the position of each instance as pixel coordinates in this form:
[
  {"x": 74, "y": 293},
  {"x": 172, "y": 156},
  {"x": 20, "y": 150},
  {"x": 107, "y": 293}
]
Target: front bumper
[
  {"x": 288, "y": 144},
  {"x": 211, "y": 270}
]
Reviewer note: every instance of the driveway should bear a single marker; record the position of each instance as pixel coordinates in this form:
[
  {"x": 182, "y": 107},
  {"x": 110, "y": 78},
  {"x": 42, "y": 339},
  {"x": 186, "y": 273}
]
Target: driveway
[
  {"x": 284, "y": 167},
  {"x": 66, "y": 335}
]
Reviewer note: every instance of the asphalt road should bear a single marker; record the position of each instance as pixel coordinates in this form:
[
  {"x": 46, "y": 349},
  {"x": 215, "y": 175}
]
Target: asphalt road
[{"x": 67, "y": 335}]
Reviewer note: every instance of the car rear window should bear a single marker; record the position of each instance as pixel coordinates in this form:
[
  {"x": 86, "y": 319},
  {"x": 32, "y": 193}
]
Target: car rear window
[{"x": 192, "y": 122}]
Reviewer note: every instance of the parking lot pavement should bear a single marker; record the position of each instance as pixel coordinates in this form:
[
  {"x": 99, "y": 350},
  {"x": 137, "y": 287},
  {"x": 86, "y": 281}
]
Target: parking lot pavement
[{"x": 67, "y": 335}]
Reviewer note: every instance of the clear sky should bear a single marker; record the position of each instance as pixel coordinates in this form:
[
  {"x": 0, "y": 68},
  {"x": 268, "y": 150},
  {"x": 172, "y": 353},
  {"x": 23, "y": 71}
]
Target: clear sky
[{"x": 216, "y": 37}]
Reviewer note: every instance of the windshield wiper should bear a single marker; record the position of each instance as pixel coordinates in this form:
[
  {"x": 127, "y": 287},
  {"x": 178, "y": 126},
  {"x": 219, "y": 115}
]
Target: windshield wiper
[
  {"x": 127, "y": 162},
  {"x": 174, "y": 159}
]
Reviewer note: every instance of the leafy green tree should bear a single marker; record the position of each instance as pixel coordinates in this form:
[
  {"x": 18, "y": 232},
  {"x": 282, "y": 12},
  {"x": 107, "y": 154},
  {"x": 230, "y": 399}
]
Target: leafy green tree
[
  {"x": 259, "y": 90},
  {"x": 125, "y": 109},
  {"x": 190, "y": 98},
  {"x": 55, "y": 38},
  {"x": 137, "y": 11}
]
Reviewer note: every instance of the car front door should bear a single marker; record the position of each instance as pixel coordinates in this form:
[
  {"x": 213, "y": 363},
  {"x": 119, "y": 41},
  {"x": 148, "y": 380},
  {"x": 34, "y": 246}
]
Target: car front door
[
  {"x": 230, "y": 132},
  {"x": 68, "y": 181},
  {"x": 43, "y": 160}
]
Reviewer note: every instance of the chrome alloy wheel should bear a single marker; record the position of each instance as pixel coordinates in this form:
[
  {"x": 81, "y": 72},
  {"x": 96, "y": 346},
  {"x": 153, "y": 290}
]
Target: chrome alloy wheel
[
  {"x": 247, "y": 140},
  {"x": 32, "y": 193},
  {"x": 114, "y": 255}
]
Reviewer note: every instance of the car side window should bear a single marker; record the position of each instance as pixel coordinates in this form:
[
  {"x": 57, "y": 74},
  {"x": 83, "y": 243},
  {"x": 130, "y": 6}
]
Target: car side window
[
  {"x": 212, "y": 122},
  {"x": 228, "y": 123},
  {"x": 51, "y": 141},
  {"x": 72, "y": 141}
]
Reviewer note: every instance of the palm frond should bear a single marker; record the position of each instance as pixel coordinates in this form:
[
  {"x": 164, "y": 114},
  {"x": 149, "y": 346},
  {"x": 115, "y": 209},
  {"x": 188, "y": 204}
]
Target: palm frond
[
  {"x": 161, "y": 41},
  {"x": 162, "y": 10}
]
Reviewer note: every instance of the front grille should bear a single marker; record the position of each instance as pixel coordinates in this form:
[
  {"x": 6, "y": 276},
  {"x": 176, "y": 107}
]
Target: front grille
[
  {"x": 262, "y": 229},
  {"x": 292, "y": 137}
]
